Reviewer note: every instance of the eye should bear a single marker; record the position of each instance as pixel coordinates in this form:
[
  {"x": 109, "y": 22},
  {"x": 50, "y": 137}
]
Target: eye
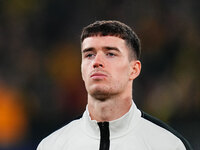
[
  {"x": 110, "y": 54},
  {"x": 89, "y": 55}
]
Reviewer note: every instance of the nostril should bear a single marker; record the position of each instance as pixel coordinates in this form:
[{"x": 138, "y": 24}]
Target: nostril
[{"x": 96, "y": 65}]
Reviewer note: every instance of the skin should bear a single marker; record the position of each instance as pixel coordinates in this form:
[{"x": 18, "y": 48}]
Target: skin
[{"x": 108, "y": 74}]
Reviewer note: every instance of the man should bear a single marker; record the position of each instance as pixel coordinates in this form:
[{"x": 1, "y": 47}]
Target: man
[{"x": 110, "y": 63}]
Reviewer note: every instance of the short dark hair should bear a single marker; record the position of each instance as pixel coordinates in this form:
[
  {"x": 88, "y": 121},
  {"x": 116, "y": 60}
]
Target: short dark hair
[{"x": 114, "y": 28}]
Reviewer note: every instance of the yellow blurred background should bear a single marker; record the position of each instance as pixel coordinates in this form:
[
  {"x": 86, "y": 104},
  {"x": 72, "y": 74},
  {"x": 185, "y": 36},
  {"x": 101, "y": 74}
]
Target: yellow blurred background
[{"x": 40, "y": 80}]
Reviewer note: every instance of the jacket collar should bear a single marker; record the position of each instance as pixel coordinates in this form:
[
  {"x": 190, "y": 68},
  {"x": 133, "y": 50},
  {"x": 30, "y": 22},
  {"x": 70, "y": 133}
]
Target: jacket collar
[{"x": 118, "y": 127}]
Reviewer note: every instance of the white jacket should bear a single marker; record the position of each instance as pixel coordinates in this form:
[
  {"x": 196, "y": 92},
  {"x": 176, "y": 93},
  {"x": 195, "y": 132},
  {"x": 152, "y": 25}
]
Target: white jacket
[{"x": 130, "y": 132}]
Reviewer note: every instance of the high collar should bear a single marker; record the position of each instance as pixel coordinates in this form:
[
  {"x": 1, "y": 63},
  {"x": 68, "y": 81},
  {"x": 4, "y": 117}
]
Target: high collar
[{"x": 118, "y": 127}]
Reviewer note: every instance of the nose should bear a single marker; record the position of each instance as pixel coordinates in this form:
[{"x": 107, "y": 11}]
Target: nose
[{"x": 98, "y": 61}]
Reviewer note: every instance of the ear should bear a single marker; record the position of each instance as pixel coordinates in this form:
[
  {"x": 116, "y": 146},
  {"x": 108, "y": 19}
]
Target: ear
[{"x": 135, "y": 68}]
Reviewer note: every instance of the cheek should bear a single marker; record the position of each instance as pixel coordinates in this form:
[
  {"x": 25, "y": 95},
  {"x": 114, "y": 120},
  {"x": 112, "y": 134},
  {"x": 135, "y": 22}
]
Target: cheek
[
  {"x": 84, "y": 70},
  {"x": 123, "y": 68},
  {"x": 123, "y": 72}
]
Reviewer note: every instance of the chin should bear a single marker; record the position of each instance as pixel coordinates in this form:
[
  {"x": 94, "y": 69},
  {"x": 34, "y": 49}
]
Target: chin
[
  {"x": 100, "y": 93},
  {"x": 100, "y": 96}
]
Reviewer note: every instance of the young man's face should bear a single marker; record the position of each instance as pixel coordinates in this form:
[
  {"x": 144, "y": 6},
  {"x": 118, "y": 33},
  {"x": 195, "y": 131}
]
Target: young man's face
[{"x": 106, "y": 68}]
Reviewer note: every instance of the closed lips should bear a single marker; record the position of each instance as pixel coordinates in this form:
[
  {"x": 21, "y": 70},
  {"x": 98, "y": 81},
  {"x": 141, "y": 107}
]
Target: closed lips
[{"x": 97, "y": 74}]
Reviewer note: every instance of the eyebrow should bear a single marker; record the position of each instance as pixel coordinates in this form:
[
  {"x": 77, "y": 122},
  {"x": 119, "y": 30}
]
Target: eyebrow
[
  {"x": 104, "y": 48},
  {"x": 87, "y": 49},
  {"x": 111, "y": 48}
]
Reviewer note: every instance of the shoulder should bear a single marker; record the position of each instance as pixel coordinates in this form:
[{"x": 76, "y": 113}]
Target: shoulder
[
  {"x": 56, "y": 139},
  {"x": 161, "y": 134}
]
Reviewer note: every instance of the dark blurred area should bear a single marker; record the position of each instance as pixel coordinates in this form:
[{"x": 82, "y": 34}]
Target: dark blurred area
[{"x": 40, "y": 80}]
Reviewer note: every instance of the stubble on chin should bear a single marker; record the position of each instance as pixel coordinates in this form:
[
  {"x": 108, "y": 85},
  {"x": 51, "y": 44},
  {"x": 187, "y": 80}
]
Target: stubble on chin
[{"x": 101, "y": 94}]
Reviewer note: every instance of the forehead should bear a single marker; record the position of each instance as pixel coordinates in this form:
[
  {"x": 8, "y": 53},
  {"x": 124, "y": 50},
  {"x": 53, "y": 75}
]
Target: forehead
[{"x": 99, "y": 41}]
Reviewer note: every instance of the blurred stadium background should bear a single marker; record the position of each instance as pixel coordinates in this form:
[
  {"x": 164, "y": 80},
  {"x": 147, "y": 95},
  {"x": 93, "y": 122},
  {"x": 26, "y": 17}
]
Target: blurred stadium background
[{"x": 40, "y": 82}]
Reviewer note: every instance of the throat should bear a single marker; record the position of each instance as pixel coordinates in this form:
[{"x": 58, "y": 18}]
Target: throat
[
  {"x": 108, "y": 110},
  {"x": 102, "y": 114}
]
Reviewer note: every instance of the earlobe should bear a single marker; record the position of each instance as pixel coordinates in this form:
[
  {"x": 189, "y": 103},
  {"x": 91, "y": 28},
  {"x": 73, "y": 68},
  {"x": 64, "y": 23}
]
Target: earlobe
[{"x": 135, "y": 69}]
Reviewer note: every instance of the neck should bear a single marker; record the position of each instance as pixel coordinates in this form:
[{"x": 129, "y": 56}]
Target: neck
[{"x": 109, "y": 109}]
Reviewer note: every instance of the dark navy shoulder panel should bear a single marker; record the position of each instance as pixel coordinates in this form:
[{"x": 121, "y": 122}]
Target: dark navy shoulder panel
[{"x": 167, "y": 127}]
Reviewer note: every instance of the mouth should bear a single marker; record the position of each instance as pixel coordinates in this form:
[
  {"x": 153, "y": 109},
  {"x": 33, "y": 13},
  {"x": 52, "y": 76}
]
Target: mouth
[{"x": 98, "y": 76}]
